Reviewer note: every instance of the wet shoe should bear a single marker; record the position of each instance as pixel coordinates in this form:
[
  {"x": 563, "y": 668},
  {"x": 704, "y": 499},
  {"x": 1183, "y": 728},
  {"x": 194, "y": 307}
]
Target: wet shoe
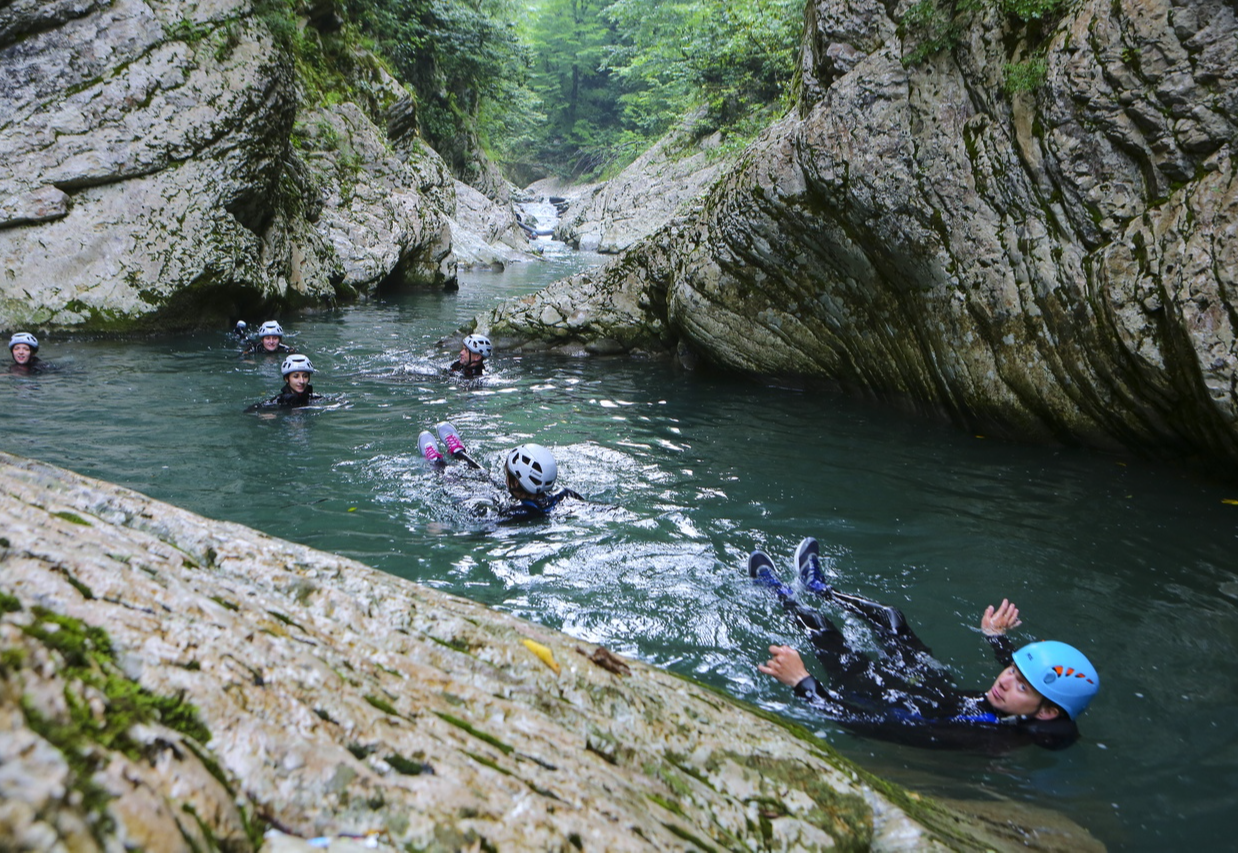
[
  {"x": 450, "y": 438},
  {"x": 761, "y": 570},
  {"x": 425, "y": 443},
  {"x": 808, "y": 558}
]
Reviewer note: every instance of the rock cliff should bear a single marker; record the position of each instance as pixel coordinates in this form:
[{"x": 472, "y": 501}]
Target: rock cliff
[
  {"x": 1028, "y": 229},
  {"x": 172, "y": 683},
  {"x": 167, "y": 164},
  {"x": 611, "y": 216}
]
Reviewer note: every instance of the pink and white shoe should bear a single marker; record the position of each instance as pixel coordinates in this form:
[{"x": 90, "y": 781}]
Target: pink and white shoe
[
  {"x": 450, "y": 438},
  {"x": 425, "y": 443}
]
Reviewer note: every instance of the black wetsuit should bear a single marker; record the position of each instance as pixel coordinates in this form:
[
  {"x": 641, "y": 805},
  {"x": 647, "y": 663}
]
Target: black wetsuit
[
  {"x": 289, "y": 399},
  {"x": 256, "y": 348},
  {"x": 469, "y": 371},
  {"x": 908, "y": 696},
  {"x": 33, "y": 365},
  {"x": 535, "y": 507}
]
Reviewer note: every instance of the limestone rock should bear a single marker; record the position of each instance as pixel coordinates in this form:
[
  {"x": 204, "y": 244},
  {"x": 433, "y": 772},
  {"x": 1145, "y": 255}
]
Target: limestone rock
[
  {"x": 306, "y": 692},
  {"x": 611, "y": 216},
  {"x": 163, "y": 166},
  {"x": 1053, "y": 264}
]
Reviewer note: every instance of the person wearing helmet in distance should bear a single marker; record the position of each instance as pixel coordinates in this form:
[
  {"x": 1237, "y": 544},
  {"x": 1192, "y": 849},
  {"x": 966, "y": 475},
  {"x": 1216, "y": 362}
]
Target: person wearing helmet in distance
[
  {"x": 269, "y": 340},
  {"x": 297, "y": 391},
  {"x": 909, "y": 697},
  {"x": 24, "y": 348},
  {"x": 473, "y": 354}
]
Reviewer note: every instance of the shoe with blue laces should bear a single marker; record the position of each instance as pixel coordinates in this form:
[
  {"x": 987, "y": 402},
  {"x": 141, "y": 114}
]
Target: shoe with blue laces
[
  {"x": 761, "y": 570},
  {"x": 808, "y": 558}
]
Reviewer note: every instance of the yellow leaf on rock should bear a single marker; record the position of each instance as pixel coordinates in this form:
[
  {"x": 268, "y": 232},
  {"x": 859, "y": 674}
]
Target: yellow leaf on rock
[{"x": 547, "y": 656}]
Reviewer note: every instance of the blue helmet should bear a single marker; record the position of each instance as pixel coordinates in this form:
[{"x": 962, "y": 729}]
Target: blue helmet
[{"x": 1060, "y": 673}]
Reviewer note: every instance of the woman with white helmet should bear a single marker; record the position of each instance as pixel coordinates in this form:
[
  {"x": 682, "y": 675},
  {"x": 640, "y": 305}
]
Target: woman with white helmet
[
  {"x": 906, "y": 695},
  {"x": 473, "y": 354},
  {"x": 297, "y": 390},
  {"x": 23, "y": 347},
  {"x": 268, "y": 340},
  {"x": 531, "y": 472}
]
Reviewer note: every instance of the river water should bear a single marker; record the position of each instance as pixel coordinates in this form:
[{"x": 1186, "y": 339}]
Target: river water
[{"x": 686, "y": 473}]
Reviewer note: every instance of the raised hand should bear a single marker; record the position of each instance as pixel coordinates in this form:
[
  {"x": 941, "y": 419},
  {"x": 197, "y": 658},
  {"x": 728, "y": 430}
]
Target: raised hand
[{"x": 998, "y": 621}]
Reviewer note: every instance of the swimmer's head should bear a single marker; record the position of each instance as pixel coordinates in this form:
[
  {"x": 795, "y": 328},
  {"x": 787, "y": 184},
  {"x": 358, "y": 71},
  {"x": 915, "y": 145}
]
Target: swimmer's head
[
  {"x": 479, "y": 345},
  {"x": 1060, "y": 673},
  {"x": 22, "y": 346},
  {"x": 271, "y": 334},
  {"x": 297, "y": 364},
  {"x": 531, "y": 467}
]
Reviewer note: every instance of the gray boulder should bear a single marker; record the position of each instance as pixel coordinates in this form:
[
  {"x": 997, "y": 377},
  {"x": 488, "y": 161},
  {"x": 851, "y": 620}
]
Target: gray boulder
[
  {"x": 610, "y": 216},
  {"x": 163, "y": 165}
]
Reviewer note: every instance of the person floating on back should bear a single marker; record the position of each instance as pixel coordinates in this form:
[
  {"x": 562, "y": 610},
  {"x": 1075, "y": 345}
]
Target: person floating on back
[
  {"x": 297, "y": 391},
  {"x": 473, "y": 354},
  {"x": 268, "y": 341},
  {"x": 530, "y": 473},
  {"x": 24, "y": 348},
  {"x": 908, "y": 696}
]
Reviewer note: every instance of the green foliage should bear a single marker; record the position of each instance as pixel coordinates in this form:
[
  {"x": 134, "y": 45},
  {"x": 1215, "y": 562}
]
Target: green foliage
[
  {"x": 932, "y": 26},
  {"x": 1031, "y": 10},
  {"x": 462, "y": 59},
  {"x": 734, "y": 58},
  {"x": 1026, "y": 76}
]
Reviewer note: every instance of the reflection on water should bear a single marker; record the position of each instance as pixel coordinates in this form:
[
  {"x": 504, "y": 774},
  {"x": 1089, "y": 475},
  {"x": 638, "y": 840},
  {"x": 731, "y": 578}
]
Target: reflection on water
[{"x": 684, "y": 475}]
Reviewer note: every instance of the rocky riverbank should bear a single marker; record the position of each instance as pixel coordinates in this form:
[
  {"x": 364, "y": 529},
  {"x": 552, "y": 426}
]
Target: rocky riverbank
[{"x": 175, "y": 683}]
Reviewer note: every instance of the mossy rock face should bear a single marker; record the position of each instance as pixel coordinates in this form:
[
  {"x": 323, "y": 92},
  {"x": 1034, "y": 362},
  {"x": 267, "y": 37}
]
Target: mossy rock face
[
  {"x": 156, "y": 173},
  {"x": 1051, "y": 265},
  {"x": 295, "y": 687},
  {"x": 104, "y": 757}
]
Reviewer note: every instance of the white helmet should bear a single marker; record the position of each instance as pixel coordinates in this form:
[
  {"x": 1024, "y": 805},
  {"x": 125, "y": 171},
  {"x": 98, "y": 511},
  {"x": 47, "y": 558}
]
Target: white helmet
[
  {"x": 479, "y": 344},
  {"x": 534, "y": 468},
  {"x": 271, "y": 327},
  {"x": 24, "y": 338},
  {"x": 294, "y": 363}
]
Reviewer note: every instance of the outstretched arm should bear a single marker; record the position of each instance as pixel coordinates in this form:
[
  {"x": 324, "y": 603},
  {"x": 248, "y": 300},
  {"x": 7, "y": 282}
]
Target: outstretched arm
[
  {"x": 996, "y": 622},
  {"x": 786, "y": 665}
]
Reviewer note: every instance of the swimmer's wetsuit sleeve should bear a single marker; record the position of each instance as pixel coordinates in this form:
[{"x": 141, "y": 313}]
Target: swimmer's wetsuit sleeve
[{"x": 1003, "y": 649}]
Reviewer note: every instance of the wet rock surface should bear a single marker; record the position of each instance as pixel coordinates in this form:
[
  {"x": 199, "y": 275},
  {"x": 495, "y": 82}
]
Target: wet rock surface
[
  {"x": 1051, "y": 264},
  {"x": 166, "y": 678},
  {"x": 165, "y": 165}
]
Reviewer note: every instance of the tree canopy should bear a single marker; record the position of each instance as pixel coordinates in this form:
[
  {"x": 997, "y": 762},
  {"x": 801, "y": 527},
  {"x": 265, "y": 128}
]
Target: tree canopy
[{"x": 580, "y": 86}]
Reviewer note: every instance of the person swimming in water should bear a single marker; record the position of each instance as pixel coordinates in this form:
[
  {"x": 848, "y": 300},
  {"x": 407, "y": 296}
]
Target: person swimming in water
[
  {"x": 473, "y": 354},
  {"x": 908, "y": 696},
  {"x": 268, "y": 341},
  {"x": 24, "y": 348},
  {"x": 530, "y": 472},
  {"x": 297, "y": 391}
]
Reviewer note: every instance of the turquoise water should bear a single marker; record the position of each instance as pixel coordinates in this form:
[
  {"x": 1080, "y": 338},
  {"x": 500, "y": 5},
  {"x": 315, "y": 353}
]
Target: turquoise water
[{"x": 687, "y": 473}]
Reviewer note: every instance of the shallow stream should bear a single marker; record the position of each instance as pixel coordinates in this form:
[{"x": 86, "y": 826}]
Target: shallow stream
[{"x": 686, "y": 474}]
